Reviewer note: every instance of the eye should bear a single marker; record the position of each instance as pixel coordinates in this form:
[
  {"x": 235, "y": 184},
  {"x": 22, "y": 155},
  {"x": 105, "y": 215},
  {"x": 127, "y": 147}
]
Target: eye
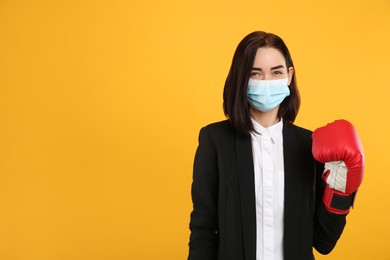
[
  {"x": 278, "y": 72},
  {"x": 255, "y": 75}
]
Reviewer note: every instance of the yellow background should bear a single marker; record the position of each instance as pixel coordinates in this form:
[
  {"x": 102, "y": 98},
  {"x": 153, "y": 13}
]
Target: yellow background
[{"x": 101, "y": 103}]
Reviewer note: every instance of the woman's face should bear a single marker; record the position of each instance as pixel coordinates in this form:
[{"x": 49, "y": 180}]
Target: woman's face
[{"x": 270, "y": 64}]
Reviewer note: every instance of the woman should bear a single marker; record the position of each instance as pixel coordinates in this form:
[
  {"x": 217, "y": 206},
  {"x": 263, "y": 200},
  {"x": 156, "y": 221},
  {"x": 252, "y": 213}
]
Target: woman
[{"x": 257, "y": 190}]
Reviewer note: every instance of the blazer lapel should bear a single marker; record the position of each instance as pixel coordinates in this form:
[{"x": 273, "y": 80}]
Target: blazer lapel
[
  {"x": 292, "y": 189},
  {"x": 245, "y": 171}
]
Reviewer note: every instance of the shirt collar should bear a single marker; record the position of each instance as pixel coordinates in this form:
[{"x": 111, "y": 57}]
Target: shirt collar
[{"x": 274, "y": 131}]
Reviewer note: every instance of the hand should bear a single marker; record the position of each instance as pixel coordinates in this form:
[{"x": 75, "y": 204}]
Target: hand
[{"x": 338, "y": 146}]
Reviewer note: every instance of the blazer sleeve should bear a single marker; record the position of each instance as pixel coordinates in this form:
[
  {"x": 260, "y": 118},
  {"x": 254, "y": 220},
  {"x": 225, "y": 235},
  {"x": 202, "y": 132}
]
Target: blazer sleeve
[
  {"x": 203, "y": 243},
  {"x": 328, "y": 226}
]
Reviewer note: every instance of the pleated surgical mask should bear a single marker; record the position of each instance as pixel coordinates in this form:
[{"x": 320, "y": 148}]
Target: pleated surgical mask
[{"x": 265, "y": 95}]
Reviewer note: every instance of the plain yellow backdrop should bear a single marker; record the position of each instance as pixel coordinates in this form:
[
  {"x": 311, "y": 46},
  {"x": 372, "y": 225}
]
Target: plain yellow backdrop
[{"x": 101, "y": 103}]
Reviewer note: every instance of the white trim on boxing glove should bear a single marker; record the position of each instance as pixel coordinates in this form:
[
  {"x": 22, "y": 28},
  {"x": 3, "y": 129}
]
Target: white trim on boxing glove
[{"x": 335, "y": 175}]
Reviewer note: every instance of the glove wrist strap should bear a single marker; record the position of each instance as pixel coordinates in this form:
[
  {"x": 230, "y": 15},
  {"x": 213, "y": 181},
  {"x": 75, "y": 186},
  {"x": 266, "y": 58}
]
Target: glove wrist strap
[{"x": 338, "y": 202}]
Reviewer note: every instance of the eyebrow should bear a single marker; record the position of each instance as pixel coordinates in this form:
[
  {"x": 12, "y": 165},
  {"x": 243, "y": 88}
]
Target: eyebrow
[{"x": 273, "y": 68}]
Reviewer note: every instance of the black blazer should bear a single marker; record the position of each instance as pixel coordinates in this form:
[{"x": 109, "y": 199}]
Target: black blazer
[{"x": 223, "y": 220}]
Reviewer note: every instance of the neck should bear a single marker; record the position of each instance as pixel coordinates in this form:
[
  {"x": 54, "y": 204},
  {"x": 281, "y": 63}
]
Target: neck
[{"x": 265, "y": 119}]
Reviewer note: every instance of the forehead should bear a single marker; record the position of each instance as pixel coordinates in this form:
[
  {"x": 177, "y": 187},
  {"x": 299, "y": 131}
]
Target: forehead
[{"x": 268, "y": 57}]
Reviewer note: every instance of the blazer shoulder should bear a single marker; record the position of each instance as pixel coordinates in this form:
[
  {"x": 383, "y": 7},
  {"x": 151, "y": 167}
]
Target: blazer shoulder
[
  {"x": 221, "y": 130},
  {"x": 300, "y": 132},
  {"x": 219, "y": 127}
]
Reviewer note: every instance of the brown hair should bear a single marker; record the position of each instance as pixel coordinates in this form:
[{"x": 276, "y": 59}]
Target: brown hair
[{"x": 235, "y": 100}]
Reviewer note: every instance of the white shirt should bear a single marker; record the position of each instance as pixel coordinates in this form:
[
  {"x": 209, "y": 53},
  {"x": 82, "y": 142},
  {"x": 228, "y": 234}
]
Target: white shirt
[{"x": 267, "y": 149}]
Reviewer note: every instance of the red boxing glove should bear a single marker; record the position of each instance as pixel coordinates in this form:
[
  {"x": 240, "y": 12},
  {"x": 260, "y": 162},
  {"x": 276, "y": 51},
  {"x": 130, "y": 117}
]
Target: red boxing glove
[{"x": 338, "y": 146}]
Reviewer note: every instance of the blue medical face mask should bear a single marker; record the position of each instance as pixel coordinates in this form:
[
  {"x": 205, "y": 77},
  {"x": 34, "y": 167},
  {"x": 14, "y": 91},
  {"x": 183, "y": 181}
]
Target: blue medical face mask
[{"x": 265, "y": 95}]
